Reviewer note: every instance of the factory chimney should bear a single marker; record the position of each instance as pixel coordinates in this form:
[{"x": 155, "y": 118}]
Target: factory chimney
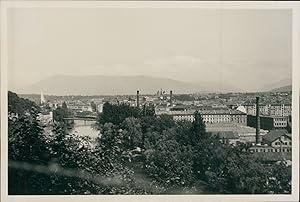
[
  {"x": 257, "y": 136},
  {"x": 138, "y": 98},
  {"x": 171, "y": 98}
]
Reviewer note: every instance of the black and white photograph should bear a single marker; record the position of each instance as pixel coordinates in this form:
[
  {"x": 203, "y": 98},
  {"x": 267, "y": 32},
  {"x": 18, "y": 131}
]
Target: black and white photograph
[{"x": 141, "y": 99}]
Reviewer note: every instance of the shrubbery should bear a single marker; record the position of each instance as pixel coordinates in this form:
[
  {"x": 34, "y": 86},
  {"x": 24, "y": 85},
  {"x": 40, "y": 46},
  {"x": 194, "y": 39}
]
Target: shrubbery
[{"x": 173, "y": 155}]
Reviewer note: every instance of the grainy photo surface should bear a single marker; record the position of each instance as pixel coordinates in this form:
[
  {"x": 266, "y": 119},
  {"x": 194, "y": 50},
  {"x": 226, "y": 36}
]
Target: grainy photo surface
[{"x": 149, "y": 101}]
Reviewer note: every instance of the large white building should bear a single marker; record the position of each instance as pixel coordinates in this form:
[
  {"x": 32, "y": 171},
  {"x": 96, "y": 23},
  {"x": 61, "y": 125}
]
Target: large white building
[
  {"x": 270, "y": 110},
  {"x": 209, "y": 116}
]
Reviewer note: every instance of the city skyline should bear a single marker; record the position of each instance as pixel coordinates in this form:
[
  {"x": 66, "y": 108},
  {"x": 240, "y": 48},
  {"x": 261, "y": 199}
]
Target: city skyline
[{"x": 247, "y": 49}]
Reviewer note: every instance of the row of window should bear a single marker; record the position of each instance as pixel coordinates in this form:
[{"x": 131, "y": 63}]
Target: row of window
[
  {"x": 284, "y": 143},
  {"x": 279, "y": 119},
  {"x": 213, "y": 115},
  {"x": 225, "y": 120},
  {"x": 283, "y": 114},
  {"x": 191, "y": 118},
  {"x": 280, "y": 124},
  {"x": 272, "y": 150},
  {"x": 273, "y": 108},
  {"x": 242, "y": 120}
]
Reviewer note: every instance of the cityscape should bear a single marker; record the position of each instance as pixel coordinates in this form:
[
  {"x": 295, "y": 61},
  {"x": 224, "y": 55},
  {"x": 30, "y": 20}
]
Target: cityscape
[
  {"x": 259, "y": 124},
  {"x": 150, "y": 101}
]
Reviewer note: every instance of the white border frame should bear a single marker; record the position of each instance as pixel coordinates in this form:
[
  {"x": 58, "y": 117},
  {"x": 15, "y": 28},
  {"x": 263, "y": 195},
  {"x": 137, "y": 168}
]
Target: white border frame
[{"x": 295, "y": 6}]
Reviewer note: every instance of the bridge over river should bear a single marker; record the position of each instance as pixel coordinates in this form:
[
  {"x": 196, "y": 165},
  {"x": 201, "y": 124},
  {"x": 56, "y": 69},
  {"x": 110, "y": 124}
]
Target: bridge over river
[{"x": 82, "y": 120}]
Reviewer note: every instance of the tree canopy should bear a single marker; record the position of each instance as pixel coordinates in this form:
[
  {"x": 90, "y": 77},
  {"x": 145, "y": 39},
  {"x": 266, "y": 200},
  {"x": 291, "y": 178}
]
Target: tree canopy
[
  {"x": 169, "y": 155},
  {"x": 116, "y": 114},
  {"x": 19, "y": 105}
]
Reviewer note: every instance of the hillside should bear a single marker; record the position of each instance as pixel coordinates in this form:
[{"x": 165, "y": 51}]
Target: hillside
[
  {"x": 278, "y": 84},
  {"x": 282, "y": 89},
  {"x": 19, "y": 105}
]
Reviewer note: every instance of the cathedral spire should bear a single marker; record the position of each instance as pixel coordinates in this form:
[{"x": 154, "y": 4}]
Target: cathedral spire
[{"x": 42, "y": 98}]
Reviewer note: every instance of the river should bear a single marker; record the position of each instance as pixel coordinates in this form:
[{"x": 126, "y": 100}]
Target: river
[{"x": 84, "y": 128}]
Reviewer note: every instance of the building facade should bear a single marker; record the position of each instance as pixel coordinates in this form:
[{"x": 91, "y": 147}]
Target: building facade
[
  {"x": 268, "y": 122},
  {"x": 274, "y": 141},
  {"x": 209, "y": 116},
  {"x": 270, "y": 110}
]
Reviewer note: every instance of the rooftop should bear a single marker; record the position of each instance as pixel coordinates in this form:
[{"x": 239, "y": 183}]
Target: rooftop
[
  {"x": 275, "y": 134},
  {"x": 222, "y": 111},
  {"x": 236, "y": 128},
  {"x": 176, "y": 110}
]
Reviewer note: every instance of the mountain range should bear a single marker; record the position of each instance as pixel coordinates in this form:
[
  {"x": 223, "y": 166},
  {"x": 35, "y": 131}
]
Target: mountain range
[
  {"x": 119, "y": 85},
  {"x": 279, "y": 86},
  {"x": 122, "y": 85},
  {"x": 282, "y": 89}
]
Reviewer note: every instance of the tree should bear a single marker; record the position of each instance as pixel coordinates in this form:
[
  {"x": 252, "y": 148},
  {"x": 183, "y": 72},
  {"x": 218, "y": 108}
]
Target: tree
[
  {"x": 233, "y": 170},
  {"x": 204, "y": 151},
  {"x": 25, "y": 139},
  {"x": 110, "y": 150},
  {"x": 94, "y": 107},
  {"x": 26, "y": 143},
  {"x": 104, "y": 160},
  {"x": 159, "y": 124},
  {"x": 115, "y": 114},
  {"x": 20, "y": 106},
  {"x": 24, "y": 131},
  {"x": 58, "y": 144},
  {"x": 245, "y": 175},
  {"x": 64, "y": 106},
  {"x": 198, "y": 129},
  {"x": 279, "y": 180},
  {"x": 148, "y": 110},
  {"x": 175, "y": 155},
  {"x": 132, "y": 133},
  {"x": 183, "y": 130},
  {"x": 170, "y": 163},
  {"x": 59, "y": 114},
  {"x": 150, "y": 139}
]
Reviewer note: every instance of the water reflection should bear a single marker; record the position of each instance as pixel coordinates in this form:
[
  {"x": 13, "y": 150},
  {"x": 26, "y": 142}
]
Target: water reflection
[{"x": 84, "y": 128}]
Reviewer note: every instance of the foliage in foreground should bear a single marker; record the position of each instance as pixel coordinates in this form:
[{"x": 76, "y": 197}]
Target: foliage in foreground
[{"x": 172, "y": 155}]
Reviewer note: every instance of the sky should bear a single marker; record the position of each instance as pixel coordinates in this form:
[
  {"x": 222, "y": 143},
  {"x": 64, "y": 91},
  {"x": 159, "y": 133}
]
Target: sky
[{"x": 248, "y": 49}]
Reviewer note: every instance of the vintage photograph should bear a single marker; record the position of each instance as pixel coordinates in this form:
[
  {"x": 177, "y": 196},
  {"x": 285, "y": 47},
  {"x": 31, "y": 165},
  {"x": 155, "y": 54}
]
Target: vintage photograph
[{"x": 149, "y": 101}]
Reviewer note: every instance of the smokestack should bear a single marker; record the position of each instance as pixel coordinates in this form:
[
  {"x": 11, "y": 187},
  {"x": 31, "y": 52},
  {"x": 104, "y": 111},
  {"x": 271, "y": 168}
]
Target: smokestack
[
  {"x": 257, "y": 137},
  {"x": 171, "y": 98},
  {"x": 138, "y": 98}
]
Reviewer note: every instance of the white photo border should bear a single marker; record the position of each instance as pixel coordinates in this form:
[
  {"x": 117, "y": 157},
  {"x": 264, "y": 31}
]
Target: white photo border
[{"x": 294, "y": 6}]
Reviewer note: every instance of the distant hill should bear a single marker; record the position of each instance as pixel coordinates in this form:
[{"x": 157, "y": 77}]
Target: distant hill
[
  {"x": 113, "y": 85},
  {"x": 277, "y": 85},
  {"x": 282, "y": 89}
]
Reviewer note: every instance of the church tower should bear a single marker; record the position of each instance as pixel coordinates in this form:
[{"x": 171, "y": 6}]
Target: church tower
[{"x": 42, "y": 98}]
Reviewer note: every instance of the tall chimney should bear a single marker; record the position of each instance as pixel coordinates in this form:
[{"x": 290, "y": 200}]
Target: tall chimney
[
  {"x": 257, "y": 137},
  {"x": 171, "y": 98},
  {"x": 138, "y": 98}
]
